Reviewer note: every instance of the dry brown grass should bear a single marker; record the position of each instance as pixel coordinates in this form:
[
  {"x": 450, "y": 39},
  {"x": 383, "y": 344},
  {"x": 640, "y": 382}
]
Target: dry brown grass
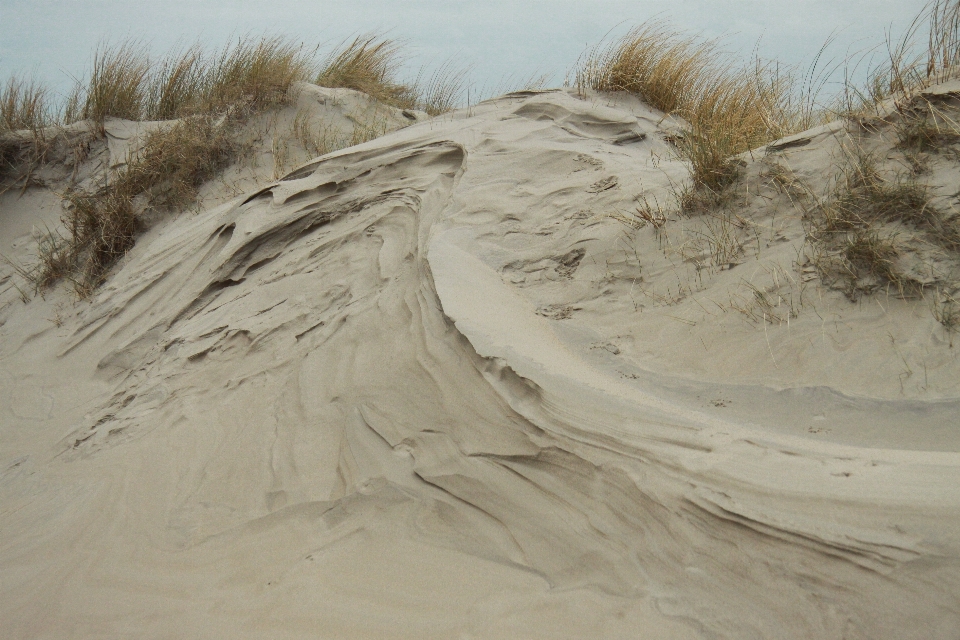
[
  {"x": 856, "y": 229},
  {"x": 316, "y": 138},
  {"x": 880, "y": 229},
  {"x": 863, "y": 196},
  {"x": 166, "y": 173},
  {"x": 936, "y": 62},
  {"x": 443, "y": 90},
  {"x": 653, "y": 61},
  {"x": 867, "y": 231},
  {"x": 54, "y": 261},
  {"x": 870, "y": 256},
  {"x": 926, "y": 127},
  {"x": 250, "y": 75},
  {"x": 320, "y": 138},
  {"x": 946, "y": 311},
  {"x": 102, "y": 228},
  {"x": 253, "y": 74},
  {"x": 118, "y": 84},
  {"x": 731, "y": 108},
  {"x": 24, "y": 104},
  {"x": 178, "y": 84},
  {"x": 174, "y": 163},
  {"x": 646, "y": 213},
  {"x": 908, "y": 65},
  {"x": 369, "y": 63},
  {"x": 211, "y": 94}
]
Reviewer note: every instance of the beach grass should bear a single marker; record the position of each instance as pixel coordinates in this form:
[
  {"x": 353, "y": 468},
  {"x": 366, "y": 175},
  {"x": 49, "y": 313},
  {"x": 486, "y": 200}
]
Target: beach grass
[
  {"x": 729, "y": 108},
  {"x": 24, "y": 104},
  {"x": 367, "y": 63},
  {"x": 211, "y": 95},
  {"x": 103, "y": 224},
  {"x": 24, "y": 107}
]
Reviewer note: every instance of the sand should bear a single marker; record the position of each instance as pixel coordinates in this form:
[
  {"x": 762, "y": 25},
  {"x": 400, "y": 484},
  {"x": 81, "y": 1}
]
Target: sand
[{"x": 431, "y": 387}]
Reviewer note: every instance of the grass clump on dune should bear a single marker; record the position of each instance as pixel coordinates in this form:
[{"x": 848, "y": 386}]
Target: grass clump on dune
[
  {"x": 926, "y": 127},
  {"x": 730, "y": 108},
  {"x": 939, "y": 61},
  {"x": 212, "y": 95},
  {"x": 24, "y": 106},
  {"x": 868, "y": 230},
  {"x": 124, "y": 83},
  {"x": 652, "y": 61},
  {"x": 255, "y": 74},
  {"x": 443, "y": 90},
  {"x": 117, "y": 85},
  {"x": 174, "y": 162},
  {"x": 876, "y": 229},
  {"x": 177, "y": 85},
  {"x": 166, "y": 173},
  {"x": 369, "y": 64},
  {"x": 252, "y": 74},
  {"x": 857, "y": 230},
  {"x": 909, "y": 67}
]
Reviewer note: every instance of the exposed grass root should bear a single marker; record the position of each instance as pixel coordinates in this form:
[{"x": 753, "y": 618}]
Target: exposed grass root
[{"x": 946, "y": 311}]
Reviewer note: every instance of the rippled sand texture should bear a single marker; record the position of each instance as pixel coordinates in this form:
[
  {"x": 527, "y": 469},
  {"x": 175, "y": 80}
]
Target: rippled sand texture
[{"x": 412, "y": 390}]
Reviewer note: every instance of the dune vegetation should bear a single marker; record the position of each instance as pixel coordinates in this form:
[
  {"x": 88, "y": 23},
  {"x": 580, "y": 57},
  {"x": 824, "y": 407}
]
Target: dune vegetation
[
  {"x": 211, "y": 95},
  {"x": 673, "y": 347},
  {"x": 729, "y": 107},
  {"x": 732, "y": 107},
  {"x": 878, "y": 227}
]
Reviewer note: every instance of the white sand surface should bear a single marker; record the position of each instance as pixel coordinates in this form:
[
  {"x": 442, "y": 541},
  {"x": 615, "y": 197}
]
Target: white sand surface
[{"x": 430, "y": 387}]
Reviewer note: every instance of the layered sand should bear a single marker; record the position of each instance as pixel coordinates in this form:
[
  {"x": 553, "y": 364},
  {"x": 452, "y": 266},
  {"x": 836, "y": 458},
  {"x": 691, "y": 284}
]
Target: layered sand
[{"x": 431, "y": 387}]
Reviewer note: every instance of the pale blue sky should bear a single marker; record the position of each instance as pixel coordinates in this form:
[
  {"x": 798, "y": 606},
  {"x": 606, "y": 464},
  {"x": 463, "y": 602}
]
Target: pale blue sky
[{"x": 53, "y": 39}]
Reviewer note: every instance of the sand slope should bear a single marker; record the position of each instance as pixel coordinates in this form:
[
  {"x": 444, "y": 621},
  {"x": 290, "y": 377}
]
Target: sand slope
[{"x": 416, "y": 389}]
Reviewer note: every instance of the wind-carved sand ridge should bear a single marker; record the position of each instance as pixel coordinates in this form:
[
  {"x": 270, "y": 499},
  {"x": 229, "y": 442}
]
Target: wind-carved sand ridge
[{"x": 428, "y": 387}]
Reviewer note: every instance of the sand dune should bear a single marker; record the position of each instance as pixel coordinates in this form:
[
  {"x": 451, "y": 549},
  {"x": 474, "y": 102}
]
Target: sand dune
[{"x": 430, "y": 387}]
